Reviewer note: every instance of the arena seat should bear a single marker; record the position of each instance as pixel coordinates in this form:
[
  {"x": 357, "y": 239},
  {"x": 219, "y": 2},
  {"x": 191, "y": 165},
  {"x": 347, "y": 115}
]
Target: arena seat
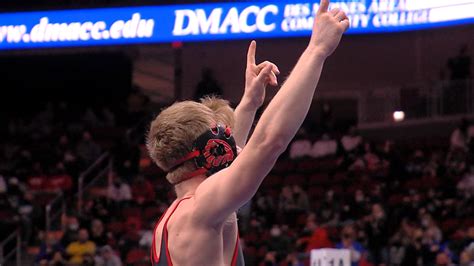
[{"x": 136, "y": 256}]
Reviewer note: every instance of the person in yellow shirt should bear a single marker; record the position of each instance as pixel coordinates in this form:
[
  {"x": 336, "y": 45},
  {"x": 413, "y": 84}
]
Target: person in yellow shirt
[{"x": 78, "y": 249}]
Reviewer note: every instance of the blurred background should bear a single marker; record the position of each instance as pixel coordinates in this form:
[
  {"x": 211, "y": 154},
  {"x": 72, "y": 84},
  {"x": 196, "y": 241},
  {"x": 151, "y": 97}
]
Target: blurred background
[{"x": 383, "y": 164}]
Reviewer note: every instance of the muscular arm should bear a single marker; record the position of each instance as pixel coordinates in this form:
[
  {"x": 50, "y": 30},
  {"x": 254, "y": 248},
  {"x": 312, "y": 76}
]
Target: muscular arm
[{"x": 226, "y": 191}]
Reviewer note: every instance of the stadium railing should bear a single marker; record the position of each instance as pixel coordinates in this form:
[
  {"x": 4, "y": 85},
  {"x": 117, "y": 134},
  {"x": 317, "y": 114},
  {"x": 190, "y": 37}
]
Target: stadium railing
[
  {"x": 10, "y": 247},
  {"x": 418, "y": 101}
]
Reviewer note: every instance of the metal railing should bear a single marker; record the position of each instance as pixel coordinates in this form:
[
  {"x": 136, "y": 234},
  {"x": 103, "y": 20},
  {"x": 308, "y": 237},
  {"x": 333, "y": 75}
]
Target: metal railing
[
  {"x": 417, "y": 101},
  {"x": 9, "y": 243},
  {"x": 89, "y": 177},
  {"x": 57, "y": 207},
  {"x": 53, "y": 212}
]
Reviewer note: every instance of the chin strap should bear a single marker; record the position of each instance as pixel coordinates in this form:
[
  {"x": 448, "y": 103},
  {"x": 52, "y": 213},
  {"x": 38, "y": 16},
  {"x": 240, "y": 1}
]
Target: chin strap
[
  {"x": 189, "y": 175},
  {"x": 189, "y": 156}
]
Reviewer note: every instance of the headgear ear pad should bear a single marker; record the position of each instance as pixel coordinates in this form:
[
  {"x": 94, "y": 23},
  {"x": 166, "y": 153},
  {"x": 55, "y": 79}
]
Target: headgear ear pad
[{"x": 217, "y": 149}]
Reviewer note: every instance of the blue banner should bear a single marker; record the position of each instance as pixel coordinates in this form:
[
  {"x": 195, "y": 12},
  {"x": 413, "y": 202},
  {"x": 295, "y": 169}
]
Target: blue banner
[{"x": 221, "y": 21}]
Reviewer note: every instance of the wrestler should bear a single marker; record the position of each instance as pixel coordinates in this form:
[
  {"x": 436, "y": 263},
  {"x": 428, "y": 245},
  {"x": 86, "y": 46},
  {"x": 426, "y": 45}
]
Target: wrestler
[{"x": 194, "y": 143}]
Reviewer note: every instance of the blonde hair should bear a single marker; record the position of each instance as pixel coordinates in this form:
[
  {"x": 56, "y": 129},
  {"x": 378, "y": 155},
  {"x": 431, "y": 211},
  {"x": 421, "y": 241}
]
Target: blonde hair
[{"x": 173, "y": 131}]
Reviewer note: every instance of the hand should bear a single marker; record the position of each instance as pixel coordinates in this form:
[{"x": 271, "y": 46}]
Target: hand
[
  {"x": 328, "y": 28},
  {"x": 257, "y": 77}
]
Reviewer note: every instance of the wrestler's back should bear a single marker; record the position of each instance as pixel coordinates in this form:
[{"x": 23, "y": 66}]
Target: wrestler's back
[{"x": 191, "y": 242}]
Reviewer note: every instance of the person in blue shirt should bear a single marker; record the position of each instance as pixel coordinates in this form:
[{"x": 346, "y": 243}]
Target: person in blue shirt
[{"x": 348, "y": 241}]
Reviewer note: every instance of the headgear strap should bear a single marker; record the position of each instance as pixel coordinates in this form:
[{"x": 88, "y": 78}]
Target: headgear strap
[{"x": 213, "y": 151}]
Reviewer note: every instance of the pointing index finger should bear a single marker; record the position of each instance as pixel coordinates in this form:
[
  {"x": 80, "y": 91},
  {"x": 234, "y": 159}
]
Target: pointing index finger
[
  {"x": 323, "y": 6},
  {"x": 251, "y": 53}
]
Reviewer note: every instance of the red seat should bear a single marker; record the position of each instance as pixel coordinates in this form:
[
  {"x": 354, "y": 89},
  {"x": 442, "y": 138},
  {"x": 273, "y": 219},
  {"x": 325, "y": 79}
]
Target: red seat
[
  {"x": 115, "y": 227},
  {"x": 151, "y": 213},
  {"x": 36, "y": 182},
  {"x": 308, "y": 165},
  {"x": 272, "y": 181},
  {"x": 339, "y": 177},
  {"x": 449, "y": 225},
  {"x": 133, "y": 224},
  {"x": 284, "y": 166},
  {"x": 395, "y": 199},
  {"x": 319, "y": 179},
  {"x": 250, "y": 251},
  {"x": 295, "y": 180},
  {"x": 136, "y": 256},
  {"x": 316, "y": 192},
  {"x": 131, "y": 212},
  {"x": 63, "y": 182},
  {"x": 468, "y": 222}
]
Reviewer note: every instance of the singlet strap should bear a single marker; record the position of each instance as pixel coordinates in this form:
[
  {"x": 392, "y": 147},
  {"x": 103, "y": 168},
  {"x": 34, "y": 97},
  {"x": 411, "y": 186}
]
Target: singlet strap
[
  {"x": 236, "y": 251},
  {"x": 165, "y": 230},
  {"x": 165, "y": 233},
  {"x": 154, "y": 258}
]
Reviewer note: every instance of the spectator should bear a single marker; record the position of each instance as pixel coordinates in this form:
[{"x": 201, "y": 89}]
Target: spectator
[
  {"x": 466, "y": 185},
  {"x": 456, "y": 162},
  {"x": 87, "y": 149},
  {"x": 63, "y": 146},
  {"x": 460, "y": 136},
  {"x": 466, "y": 258},
  {"x": 324, "y": 147},
  {"x": 107, "y": 257},
  {"x": 300, "y": 147},
  {"x": 431, "y": 240},
  {"x": 329, "y": 211},
  {"x": 3, "y": 185},
  {"x": 292, "y": 260},
  {"x": 142, "y": 191},
  {"x": 90, "y": 119},
  {"x": 468, "y": 241},
  {"x": 119, "y": 191},
  {"x": 398, "y": 243},
  {"x": 442, "y": 259},
  {"x": 58, "y": 259},
  {"x": 98, "y": 234},
  {"x": 265, "y": 207},
  {"x": 352, "y": 140},
  {"x": 127, "y": 157},
  {"x": 359, "y": 205},
  {"x": 348, "y": 241},
  {"x": 301, "y": 199},
  {"x": 208, "y": 85},
  {"x": 49, "y": 248},
  {"x": 376, "y": 231},
  {"x": 71, "y": 231},
  {"x": 81, "y": 250},
  {"x": 278, "y": 242},
  {"x": 287, "y": 205},
  {"x": 146, "y": 238},
  {"x": 417, "y": 164},
  {"x": 460, "y": 65},
  {"x": 270, "y": 259},
  {"x": 108, "y": 117},
  {"x": 318, "y": 236},
  {"x": 371, "y": 159}
]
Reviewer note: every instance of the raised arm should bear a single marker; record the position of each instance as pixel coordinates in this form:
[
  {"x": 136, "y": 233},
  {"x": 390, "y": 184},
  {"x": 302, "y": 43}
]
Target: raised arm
[
  {"x": 226, "y": 191},
  {"x": 256, "y": 81}
]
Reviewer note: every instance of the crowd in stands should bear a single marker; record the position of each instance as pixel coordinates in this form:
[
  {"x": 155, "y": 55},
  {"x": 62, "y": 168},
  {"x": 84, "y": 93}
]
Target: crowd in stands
[
  {"x": 43, "y": 151},
  {"x": 41, "y": 154},
  {"x": 388, "y": 203}
]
